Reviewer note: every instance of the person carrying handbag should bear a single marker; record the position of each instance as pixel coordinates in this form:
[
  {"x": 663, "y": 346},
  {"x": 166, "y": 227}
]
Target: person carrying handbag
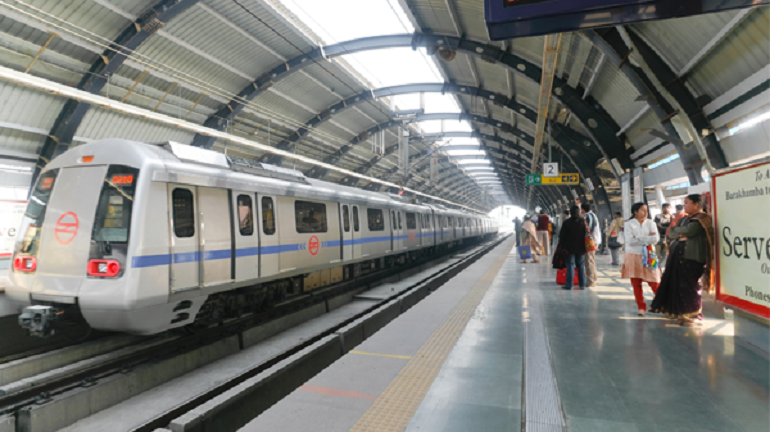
[
  {"x": 573, "y": 240},
  {"x": 639, "y": 263},
  {"x": 615, "y": 239}
]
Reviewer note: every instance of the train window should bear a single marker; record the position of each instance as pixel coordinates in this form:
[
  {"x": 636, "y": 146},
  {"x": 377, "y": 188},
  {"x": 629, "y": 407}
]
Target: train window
[
  {"x": 450, "y": 221},
  {"x": 113, "y": 213},
  {"x": 268, "y": 216},
  {"x": 184, "y": 213},
  {"x": 393, "y": 225},
  {"x": 399, "y": 221},
  {"x": 459, "y": 222},
  {"x": 345, "y": 218},
  {"x": 411, "y": 221},
  {"x": 245, "y": 215},
  {"x": 356, "y": 226},
  {"x": 376, "y": 221},
  {"x": 446, "y": 222},
  {"x": 35, "y": 214},
  {"x": 310, "y": 216}
]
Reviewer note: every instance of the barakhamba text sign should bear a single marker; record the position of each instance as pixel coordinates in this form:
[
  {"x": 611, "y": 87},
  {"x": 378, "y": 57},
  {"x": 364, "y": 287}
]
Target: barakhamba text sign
[{"x": 742, "y": 207}]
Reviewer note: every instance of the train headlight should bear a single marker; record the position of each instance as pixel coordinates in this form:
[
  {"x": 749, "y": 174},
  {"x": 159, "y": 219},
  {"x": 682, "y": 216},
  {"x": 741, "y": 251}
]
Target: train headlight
[
  {"x": 25, "y": 264},
  {"x": 103, "y": 268}
]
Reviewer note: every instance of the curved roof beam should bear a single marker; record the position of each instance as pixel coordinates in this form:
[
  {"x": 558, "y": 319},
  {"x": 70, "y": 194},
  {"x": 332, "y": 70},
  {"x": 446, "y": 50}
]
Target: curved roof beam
[
  {"x": 611, "y": 43},
  {"x": 674, "y": 86},
  {"x": 499, "y": 98},
  {"x": 72, "y": 113},
  {"x": 599, "y": 124},
  {"x": 578, "y": 155}
]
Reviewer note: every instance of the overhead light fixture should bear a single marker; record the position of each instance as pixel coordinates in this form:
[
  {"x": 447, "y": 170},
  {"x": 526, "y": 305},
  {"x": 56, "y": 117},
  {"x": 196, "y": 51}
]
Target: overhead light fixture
[{"x": 58, "y": 89}]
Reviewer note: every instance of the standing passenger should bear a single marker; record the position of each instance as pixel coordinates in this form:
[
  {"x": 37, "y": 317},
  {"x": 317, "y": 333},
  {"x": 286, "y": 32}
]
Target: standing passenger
[
  {"x": 663, "y": 221},
  {"x": 640, "y": 232},
  {"x": 595, "y": 233},
  {"x": 573, "y": 240},
  {"x": 542, "y": 232},
  {"x": 529, "y": 238},
  {"x": 615, "y": 230},
  {"x": 516, "y": 228},
  {"x": 691, "y": 257}
]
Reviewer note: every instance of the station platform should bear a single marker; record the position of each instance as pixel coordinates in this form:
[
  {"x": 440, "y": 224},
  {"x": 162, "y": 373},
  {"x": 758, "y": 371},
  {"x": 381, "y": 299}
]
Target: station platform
[{"x": 501, "y": 347}]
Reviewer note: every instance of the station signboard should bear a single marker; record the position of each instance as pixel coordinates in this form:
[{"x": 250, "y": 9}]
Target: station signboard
[
  {"x": 562, "y": 179},
  {"x": 742, "y": 235}
]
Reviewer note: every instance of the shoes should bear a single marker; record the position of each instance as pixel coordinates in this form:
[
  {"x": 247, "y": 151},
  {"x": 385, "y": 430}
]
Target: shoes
[
  {"x": 564, "y": 287},
  {"x": 591, "y": 286},
  {"x": 641, "y": 312},
  {"x": 614, "y": 264}
]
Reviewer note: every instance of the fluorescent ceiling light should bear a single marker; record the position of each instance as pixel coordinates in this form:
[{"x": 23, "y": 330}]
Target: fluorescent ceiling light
[
  {"x": 479, "y": 169},
  {"x": 473, "y": 161},
  {"x": 100, "y": 101},
  {"x": 464, "y": 152}
]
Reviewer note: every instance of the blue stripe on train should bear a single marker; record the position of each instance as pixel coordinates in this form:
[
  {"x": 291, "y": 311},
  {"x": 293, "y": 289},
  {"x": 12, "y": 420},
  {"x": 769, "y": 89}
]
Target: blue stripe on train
[{"x": 186, "y": 257}]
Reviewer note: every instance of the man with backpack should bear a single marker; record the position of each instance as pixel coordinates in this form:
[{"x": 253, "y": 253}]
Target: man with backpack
[{"x": 595, "y": 232}]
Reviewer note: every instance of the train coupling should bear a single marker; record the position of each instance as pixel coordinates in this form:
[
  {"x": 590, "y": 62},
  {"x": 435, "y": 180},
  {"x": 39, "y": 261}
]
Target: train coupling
[{"x": 40, "y": 320}]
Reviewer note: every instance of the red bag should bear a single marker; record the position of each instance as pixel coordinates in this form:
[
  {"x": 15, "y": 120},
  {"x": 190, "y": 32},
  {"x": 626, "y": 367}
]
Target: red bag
[{"x": 561, "y": 277}]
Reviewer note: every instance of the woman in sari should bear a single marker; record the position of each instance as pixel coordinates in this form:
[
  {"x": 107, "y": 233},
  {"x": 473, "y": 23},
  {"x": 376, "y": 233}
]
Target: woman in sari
[
  {"x": 529, "y": 238},
  {"x": 690, "y": 257}
]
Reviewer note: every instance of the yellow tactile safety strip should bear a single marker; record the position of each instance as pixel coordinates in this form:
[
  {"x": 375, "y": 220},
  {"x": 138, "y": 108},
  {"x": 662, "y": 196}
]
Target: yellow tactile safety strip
[
  {"x": 380, "y": 355},
  {"x": 397, "y": 404}
]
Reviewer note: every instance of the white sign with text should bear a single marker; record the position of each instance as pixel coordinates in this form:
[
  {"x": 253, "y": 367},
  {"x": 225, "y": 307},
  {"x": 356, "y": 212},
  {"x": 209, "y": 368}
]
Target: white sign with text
[
  {"x": 742, "y": 200},
  {"x": 11, "y": 213}
]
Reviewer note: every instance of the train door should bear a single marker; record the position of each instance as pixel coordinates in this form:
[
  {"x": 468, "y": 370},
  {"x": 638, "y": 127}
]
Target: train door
[
  {"x": 393, "y": 232},
  {"x": 346, "y": 233},
  {"x": 215, "y": 236},
  {"x": 184, "y": 234},
  {"x": 356, "y": 233},
  {"x": 269, "y": 242},
  {"x": 399, "y": 243},
  {"x": 246, "y": 236}
]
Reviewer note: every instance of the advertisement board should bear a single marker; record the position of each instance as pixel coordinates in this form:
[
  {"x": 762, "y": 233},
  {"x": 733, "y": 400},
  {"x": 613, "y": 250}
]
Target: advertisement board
[
  {"x": 11, "y": 213},
  {"x": 741, "y": 204}
]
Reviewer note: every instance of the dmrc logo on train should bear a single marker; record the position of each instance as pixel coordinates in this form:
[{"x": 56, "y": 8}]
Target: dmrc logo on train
[
  {"x": 313, "y": 245},
  {"x": 66, "y": 228}
]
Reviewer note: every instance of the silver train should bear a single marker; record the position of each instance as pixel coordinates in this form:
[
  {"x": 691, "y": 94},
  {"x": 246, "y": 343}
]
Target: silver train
[{"x": 141, "y": 238}]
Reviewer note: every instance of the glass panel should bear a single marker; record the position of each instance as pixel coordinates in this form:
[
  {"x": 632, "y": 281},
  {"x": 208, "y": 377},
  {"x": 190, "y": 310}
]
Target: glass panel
[
  {"x": 345, "y": 219},
  {"x": 310, "y": 216},
  {"x": 356, "y": 225},
  {"x": 31, "y": 224},
  {"x": 268, "y": 216},
  {"x": 376, "y": 221},
  {"x": 113, "y": 213},
  {"x": 245, "y": 215},
  {"x": 411, "y": 221},
  {"x": 184, "y": 213}
]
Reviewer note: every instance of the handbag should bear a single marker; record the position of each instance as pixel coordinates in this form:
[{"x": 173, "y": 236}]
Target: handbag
[
  {"x": 559, "y": 258},
  {"x": 590, "y": 245},
  {"x": 525, "y": 252},
  {"x": 614, "y": 243}
]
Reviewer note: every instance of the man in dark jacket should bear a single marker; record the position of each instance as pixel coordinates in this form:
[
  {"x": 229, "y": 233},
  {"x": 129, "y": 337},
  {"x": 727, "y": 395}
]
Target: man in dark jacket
[
  {"x": 516, "y": 228},
  {"x": 572, "y": 237}
]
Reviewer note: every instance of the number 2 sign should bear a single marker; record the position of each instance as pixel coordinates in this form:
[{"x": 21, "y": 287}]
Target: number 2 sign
[{"x": 551, "y": 169}]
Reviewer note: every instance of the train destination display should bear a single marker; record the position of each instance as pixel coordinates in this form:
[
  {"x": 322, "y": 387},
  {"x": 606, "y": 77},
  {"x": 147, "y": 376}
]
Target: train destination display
[{"x": 520, "y": 18}]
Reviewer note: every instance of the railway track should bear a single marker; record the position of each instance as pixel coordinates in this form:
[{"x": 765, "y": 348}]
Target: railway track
[{"x": 17, "y": 398}]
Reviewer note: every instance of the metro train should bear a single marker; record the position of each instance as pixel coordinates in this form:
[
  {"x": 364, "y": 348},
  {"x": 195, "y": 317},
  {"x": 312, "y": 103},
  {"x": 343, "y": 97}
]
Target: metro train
[{"x": 142, "y": 238}]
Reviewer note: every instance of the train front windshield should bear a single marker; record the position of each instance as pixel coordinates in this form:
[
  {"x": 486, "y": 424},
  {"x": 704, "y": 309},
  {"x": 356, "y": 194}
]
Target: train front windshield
[
  {"x": 32, "y": 223},
  {"x": 113, "y": 212}
]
